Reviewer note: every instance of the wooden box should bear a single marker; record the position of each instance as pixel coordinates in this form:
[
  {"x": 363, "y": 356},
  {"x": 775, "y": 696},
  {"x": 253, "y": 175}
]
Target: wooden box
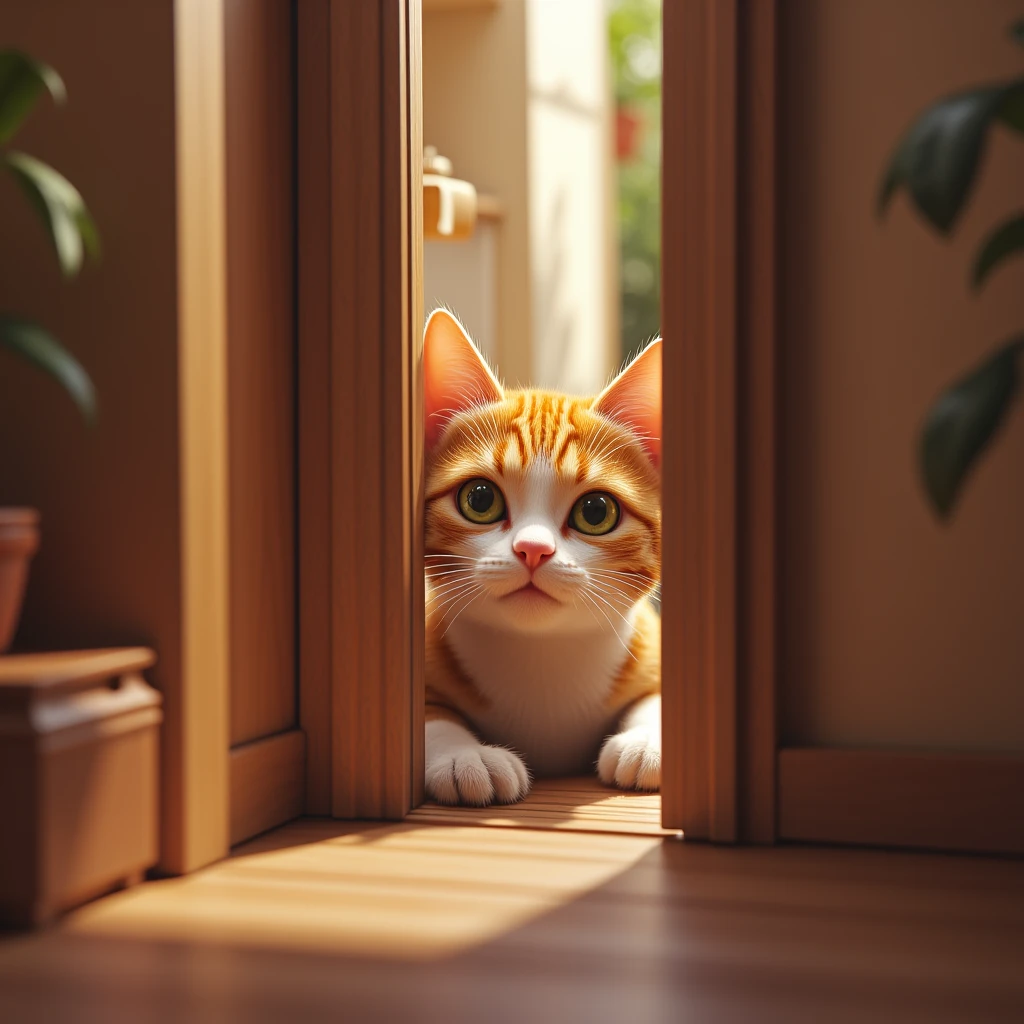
[{"x": 79, "y": 746}]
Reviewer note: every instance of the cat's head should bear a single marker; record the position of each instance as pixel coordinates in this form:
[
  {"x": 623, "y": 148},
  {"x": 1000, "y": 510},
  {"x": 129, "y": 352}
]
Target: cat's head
[{"x": 543, "y": 510}]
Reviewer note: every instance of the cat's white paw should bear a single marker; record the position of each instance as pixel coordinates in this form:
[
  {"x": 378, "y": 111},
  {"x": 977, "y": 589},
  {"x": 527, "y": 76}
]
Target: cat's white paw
[
  {"x": 631, "y": 760},
  {"x": 471, "y": 773}
]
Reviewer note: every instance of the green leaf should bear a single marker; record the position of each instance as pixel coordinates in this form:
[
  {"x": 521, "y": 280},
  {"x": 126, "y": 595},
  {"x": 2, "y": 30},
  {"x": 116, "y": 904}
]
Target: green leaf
[
  {"x": 937, "y": 158},
  {"x": 1011, "y": 110},
  {"x": 39, "y": 347},
  {"x": 22, "y": 79},
  {"x": 962, "y": 423},
  {"x": 1005, "y": 241},
  {"x": 61, "y": 208}
]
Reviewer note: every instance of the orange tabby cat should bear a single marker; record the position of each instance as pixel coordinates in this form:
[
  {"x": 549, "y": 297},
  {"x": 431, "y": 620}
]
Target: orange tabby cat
[{"x": 543, "y": 540}]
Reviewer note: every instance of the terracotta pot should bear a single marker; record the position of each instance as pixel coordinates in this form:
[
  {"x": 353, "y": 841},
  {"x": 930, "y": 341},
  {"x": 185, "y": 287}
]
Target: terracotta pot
[
  {"x": 19, "y": 539},
  {"x": 628, "y": 125}
]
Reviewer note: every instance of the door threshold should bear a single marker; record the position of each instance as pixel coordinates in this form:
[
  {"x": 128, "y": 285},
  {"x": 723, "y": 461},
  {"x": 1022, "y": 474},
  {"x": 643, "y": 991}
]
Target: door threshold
[{"x": 573, "y": 805}]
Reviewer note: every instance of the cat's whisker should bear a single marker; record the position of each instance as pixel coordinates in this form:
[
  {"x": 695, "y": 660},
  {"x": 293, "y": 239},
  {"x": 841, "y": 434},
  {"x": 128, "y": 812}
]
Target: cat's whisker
[
  {"x": 637, "y": 581},
  {"x": 591, "y": 606},
  {"x": 464, "y": 569},
  {"x": 467, "y": 558},
  {"x": 472, "y": 597},
  {"x": 607, "y": 589},
  {"x": 445, "y": 584},
  {"x": 618, "y": 572},
  {"x": 628, "y": 588},
  {"x": 631, "y": 626},
  {"x": 611, "y": 626},
  {"x": 603, "y": 595},
  {"x": 627, "y": 580},
  {"x": 452, "y": 588}
]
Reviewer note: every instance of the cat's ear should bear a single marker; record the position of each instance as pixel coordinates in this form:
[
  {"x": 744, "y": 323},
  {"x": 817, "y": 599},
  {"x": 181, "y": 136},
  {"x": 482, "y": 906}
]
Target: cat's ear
[
  {"x": 455, "y": 375},
  {"x": 634, "y": 400}
]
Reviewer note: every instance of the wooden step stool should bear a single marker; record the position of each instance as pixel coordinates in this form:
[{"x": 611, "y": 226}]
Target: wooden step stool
[{"x": 79, "y": 772}]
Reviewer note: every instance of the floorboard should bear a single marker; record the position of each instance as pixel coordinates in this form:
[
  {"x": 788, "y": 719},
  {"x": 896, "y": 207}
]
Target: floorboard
[
  {"x": 324, "y": 921},
  {"x": 573, "y": 805}
]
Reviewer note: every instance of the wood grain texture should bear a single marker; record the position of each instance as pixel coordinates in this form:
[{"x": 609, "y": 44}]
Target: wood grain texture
[
  {"x": 756, "y": 407},
  {"x": 259, "y": 162},
  {"x": 699, "y": 294},
  {"x": 22, "y": 674},
  {"x": 268, "y": 783},
  {"x": 403, "y": 923},
  {"x": 970, "y": 802},
  {"x": 577, "y": 805},
  {"x": 197, "y": 719},
  {"x": 315, "y": 558},
  {"x": 364, "y": 334},
  {"x": 79, "y": 764}
]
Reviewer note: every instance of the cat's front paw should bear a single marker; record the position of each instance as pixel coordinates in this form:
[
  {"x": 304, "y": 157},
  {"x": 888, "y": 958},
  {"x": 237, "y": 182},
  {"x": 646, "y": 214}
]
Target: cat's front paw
[
  {"x": 631, "y": 760},
  {"x": 477, "y": 775}
]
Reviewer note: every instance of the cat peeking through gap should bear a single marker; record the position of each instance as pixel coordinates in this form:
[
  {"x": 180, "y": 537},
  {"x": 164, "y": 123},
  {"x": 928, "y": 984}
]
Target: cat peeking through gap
[{"x": 543, "y": 546}]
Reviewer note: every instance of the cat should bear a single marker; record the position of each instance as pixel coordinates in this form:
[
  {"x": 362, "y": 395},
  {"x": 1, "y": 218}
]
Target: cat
[{"x": 543, "y": 546}]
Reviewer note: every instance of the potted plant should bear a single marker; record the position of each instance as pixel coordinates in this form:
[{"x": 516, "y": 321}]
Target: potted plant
[
  {"x": 74, "y": 237},
  {"x": 936, "y": 162}
]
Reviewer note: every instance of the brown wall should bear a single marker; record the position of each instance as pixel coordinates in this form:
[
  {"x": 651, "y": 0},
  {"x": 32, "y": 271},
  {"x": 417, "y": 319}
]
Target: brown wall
[
  {"x": 134, "y": 523},
  {"x": 897, "y": 631},
  {"x": 108, "y": 571}
]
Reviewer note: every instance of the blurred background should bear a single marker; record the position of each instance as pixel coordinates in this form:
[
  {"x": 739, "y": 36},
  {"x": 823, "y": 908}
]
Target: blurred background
[{"x": 550, "y": 109}]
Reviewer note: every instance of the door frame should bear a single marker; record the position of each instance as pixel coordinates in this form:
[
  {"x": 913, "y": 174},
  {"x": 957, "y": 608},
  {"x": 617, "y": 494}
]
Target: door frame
[
  {"x": 360, "y": 324},
  {"x": 360, "y": 429},
  {"x": 729, "y": 776}
]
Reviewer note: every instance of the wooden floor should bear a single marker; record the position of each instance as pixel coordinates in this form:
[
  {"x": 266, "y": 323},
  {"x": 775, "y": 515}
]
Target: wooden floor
[
  {"x": 319, "y": 921},
  {"x": 574, "y": 805}
]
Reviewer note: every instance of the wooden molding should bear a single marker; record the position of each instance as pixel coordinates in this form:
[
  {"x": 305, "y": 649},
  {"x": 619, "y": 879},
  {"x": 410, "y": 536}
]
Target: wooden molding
[
  {"x": 259, "y": 157},
  {"x": 313, "y": 173},
  {"x": 756, "y": 388},
  {"x": 968, "y": 802},
  {"x": 195, "y": 764},
  {"x": 699, "y": 294},
  {"x": 718, "y": 321},
  {"x": 268, "y": 783},
  {"x": 360, "y": 316}
]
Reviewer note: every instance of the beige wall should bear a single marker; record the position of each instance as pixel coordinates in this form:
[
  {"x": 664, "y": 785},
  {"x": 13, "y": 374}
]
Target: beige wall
[
  {"x": 474, "y": 111},
  {"x": 897, "y": 631},
  {"x": 516, "y": 95}
]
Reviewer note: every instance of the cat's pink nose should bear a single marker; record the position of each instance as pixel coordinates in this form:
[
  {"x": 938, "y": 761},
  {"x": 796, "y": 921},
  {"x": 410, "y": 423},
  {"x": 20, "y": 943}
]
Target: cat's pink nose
[{"x": 533, "y": 546}]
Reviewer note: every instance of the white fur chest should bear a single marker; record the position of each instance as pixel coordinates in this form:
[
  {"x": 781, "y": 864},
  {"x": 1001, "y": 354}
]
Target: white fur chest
[{"x": 547, "y": 694}]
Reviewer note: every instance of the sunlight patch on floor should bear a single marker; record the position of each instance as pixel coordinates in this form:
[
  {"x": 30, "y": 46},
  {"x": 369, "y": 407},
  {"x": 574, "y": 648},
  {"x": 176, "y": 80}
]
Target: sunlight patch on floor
[{"x": 407, "y": 891}]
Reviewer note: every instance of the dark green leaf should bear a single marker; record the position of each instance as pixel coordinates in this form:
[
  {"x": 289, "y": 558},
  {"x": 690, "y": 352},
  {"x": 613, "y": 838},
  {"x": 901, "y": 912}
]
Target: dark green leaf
[
  {"x": 963, "y": 421},
  {"x": 937, "y": 158},
  {"x": 1005, "y": 241},
  {"x": 37, "y": 346},
  {"x": 61, "y": 207},
  {"x": 1011, "y": 110},
  {"x": 22, "y": 79}
]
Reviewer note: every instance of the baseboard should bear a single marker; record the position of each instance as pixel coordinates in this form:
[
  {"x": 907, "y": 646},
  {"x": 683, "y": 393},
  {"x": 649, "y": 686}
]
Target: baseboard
[
  {"x": 958, "y": 802},
  {"x": 268, "y": 783}
]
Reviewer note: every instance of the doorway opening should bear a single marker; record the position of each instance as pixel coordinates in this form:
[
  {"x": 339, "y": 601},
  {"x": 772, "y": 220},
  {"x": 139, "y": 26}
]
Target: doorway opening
[{"x": 542, "y": 136}]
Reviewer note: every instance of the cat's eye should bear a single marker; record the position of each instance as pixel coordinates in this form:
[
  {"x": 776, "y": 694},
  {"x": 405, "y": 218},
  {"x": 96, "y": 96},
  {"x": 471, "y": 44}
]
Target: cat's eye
[
  {"x": 594, "y": 514},
  {"x": 481, "y": 502}
]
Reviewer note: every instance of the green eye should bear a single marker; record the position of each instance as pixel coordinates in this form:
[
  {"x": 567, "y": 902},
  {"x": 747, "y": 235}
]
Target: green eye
[
  {"x": 594, "y": 514},
  {"x": 481, "y": 502}
]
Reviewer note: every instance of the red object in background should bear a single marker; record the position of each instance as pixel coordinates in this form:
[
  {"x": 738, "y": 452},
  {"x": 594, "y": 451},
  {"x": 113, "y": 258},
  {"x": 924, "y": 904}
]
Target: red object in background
[{"x": 628, "y": 124}]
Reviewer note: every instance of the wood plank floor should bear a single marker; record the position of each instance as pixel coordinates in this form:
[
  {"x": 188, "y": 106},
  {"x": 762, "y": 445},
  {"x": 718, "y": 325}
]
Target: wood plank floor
[
  {"x": 574, "y": 805},
  {"x": 321, "y": 921}
]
